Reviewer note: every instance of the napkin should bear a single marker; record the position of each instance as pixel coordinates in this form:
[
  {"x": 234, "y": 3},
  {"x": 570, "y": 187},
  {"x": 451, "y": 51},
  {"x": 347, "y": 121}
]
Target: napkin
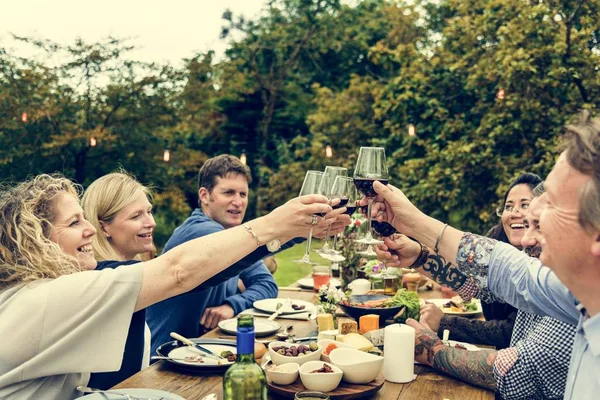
[
  {"x": 399, "y": 353},
  {"x": 305, "y": 316}
]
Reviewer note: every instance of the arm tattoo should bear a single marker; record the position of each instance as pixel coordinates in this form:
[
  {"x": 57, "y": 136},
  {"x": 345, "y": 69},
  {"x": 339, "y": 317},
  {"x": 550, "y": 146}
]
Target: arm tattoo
[
  {"x": 444, "y": 272},
  {"x": 428, "y": 340},
  {"x": 475, "y": 367}
]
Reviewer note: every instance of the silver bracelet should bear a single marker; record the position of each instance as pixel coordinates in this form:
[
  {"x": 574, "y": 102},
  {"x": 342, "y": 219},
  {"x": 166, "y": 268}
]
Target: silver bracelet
[
  {"x": 249, "y": 230},
  {"x": 439, "y": 238}
]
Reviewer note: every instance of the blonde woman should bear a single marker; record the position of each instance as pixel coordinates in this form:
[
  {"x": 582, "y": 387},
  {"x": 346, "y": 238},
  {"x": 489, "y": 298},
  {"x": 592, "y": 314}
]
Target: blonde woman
[
  {"x": 119, "y": 208},
  {"x": 62, "y": 320}
]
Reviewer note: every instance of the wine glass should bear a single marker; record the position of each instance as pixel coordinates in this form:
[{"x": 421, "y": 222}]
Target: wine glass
[
  {"x": 326, "y": 189},
  {"x": 370, "y": 167},
  {"x": 344, "y": 189},
  {"x": 311, "y": 184}
]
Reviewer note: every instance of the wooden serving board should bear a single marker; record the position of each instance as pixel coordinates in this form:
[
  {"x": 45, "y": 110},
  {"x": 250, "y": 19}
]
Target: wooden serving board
[{"x": 344, "y": 391}]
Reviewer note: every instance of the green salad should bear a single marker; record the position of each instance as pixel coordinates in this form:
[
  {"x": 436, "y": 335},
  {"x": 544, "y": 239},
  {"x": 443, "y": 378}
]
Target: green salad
[{"x": 408, "y": 299}]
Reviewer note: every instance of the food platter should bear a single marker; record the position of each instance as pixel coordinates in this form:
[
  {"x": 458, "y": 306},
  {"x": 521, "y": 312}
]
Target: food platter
[
  {"x": 262, "y": 326},
  {"x": 178, "y": 351},
  {"x": 270, "y": 306},
  {"x": 440, "y": 303},
  {"x": 344, "y": 391}
]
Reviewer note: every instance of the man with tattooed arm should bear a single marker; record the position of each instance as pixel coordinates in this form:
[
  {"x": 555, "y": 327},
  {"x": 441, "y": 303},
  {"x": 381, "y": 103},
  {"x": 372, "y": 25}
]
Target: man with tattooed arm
[{"x": 564, "y": 287}]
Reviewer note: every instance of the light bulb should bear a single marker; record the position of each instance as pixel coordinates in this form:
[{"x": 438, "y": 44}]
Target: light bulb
[
  {"x": 328, "y": 151},
  {"x": 411, "y": 130},
  {"x": 92, "y": 141},
  {"x": 166, "y": 155}
]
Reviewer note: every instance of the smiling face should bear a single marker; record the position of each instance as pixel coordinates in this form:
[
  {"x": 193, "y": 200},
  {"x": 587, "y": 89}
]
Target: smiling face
[
  {"x": 515, "y": 209},
  {"x": 532, "y": 239},
  {"x": 71, "y": 231},
  {"x": 130, "y": 230},
  {"x": 227, "y": 202},
  {"x": 566, "y": 246}
]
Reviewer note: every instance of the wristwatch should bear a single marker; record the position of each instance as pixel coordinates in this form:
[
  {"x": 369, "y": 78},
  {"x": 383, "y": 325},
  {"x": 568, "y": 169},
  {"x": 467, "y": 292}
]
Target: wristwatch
[{"x": 274, "y": 245}]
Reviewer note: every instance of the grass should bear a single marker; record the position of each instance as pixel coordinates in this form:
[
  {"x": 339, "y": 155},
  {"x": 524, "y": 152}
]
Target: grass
[{"x": 289, "y": 271}]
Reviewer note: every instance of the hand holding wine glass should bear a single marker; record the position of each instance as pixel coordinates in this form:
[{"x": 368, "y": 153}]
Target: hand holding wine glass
[
  {"x": 326, "y": 188},
  {"x": 311, "y": 185}
]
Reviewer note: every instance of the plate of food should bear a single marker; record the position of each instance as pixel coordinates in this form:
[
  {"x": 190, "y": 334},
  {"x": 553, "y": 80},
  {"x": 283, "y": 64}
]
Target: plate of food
[
  {"x": 188, "y": 358},
  {"x": 402, "y": 305},
  {"x": 456, "y": 306},
  {"x": 462, "y": 345},
  {"x": 289, "y": 306},
  {"x": 262, "y": 326},
  {"x": 308, "y": 283}
]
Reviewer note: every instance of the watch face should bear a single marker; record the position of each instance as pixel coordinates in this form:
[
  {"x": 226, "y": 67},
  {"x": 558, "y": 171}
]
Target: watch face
[{"x": 273, "y": 245}]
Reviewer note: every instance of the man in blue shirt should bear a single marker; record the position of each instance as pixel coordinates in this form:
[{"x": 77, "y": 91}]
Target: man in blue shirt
[
  {"x": 567, "y": 289},
  {"x": 222, "y": 199}
]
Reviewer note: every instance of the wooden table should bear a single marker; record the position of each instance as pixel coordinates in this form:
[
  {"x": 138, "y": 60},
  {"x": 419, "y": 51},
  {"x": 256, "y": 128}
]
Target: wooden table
[{"x": 428, "y": 385}]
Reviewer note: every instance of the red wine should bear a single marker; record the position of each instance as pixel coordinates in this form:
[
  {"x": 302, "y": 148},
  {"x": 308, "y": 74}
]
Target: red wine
[
  {"x": 382, "y": 228},
  {"x": 343, "y": 202},
  {"x": 350, "y": 210},
  {"x": 365, "y": 185}
]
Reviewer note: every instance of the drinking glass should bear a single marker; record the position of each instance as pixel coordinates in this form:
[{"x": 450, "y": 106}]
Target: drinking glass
[
  {"x": 344, "y": 189},
  {"x": 325, "y": 188},
  {"x": 370, "y": 167},
  {"x": 321, "y": 275},
  {"x": 311, "y": 184}
]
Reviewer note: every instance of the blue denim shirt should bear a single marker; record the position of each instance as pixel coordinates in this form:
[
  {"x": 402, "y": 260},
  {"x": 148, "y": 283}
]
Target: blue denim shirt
[{"x": 523, "y": 282}]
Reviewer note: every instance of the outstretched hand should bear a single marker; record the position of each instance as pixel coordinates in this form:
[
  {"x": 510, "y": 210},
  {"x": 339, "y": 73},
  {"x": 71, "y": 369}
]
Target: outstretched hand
[
  {"x": 295, "y": 218},
  {"x": 398, "y": 251}
]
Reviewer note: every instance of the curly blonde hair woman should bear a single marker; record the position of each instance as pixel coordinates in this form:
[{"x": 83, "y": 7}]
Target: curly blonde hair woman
[
  {"x": 119, "y": 207},
  {"x": 62, "y": 320}
]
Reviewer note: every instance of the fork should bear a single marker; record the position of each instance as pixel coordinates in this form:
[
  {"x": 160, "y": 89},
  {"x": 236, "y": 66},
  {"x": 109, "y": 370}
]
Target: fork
[{"x": 86, "y": 389}]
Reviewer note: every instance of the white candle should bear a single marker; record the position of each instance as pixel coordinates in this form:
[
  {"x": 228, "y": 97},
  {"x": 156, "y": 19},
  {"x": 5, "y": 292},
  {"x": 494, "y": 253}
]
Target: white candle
[{"x": 399, "y": 353}]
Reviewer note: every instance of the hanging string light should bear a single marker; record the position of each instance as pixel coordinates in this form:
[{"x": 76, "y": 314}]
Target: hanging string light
[
  {"x": 243, "y": 158},
  {"x": 328, "y": 151},
  {"x": 92, "y": 142},
  {"x": 24, "y": 117},
  {"x": 412, "y": 130},
  {"x": 500, "y": 94},
  {"x": 166, "y": 155}
]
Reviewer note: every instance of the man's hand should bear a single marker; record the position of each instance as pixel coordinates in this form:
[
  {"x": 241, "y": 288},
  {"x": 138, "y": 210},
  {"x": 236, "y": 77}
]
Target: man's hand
[
  {"x": 431, "y": 315},
  {"x": 427, "y": 343},
  {"x": 213, "y": 315},
  {"x": 398, "y": 251}
]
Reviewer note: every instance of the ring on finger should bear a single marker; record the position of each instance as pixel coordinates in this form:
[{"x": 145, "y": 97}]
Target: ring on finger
[{"x": 313, "y": 220}]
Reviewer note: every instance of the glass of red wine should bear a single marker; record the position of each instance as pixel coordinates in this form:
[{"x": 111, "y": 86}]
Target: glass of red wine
[
  {"x": 344, "y": 189},
  {"x": 370, "y": 167},
  {"x": 311, "y": 185},
  {"x": 326, "y": 189}
]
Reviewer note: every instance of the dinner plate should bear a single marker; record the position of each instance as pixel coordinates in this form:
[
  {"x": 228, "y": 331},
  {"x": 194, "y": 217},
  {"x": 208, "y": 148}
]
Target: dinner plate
[
  {"x": 440, "y": 303},
  {"x": 308, "y": 283},
  {"x": 262, "y": 326},
  {"x": 142, "y": 393},
  {"x": 270, "y": 306},
  {"x": 468, "y": 346},
  {"x": 177, "y": 350}
]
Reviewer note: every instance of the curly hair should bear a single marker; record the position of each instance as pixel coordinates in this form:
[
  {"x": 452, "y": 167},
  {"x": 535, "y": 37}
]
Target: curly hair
[
  {"x": 582, "y": 143},
  {"x": 102, "y": 200},
  {"x": 26, "y": 214}
]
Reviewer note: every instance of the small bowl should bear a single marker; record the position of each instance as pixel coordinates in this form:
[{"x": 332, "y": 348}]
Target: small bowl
[
  {"x": 283, "y": 374},
  {"x": 358, "y": 366},
  {"x": 326, "y": 342},
  {"x": 279, "y": 359},
  {"x": 321, "y": 382}
]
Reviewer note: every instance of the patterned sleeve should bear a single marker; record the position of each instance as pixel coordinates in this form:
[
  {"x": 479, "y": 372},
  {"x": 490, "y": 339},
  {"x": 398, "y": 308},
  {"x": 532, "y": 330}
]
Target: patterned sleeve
[
  {"x": 495, "y": 333},
  {"x": 536, "y": 367}
]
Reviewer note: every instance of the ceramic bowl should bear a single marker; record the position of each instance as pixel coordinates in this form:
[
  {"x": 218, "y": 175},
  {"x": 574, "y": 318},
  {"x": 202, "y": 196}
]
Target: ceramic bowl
[
  {"x": 283, "y": 374},
  {"x": 326, "y": 342},
  {"x": 320, "y": 381},
  {"x": 279, "y": 359},
  {"x": 358, "y": 366}
]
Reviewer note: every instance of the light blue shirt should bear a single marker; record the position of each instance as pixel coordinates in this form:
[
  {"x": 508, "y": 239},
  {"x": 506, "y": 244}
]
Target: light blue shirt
[{"x": 523, "y": 282}]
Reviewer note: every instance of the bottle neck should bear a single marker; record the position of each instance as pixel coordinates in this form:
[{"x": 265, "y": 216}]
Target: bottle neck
[{"x": 245, "y": 344}]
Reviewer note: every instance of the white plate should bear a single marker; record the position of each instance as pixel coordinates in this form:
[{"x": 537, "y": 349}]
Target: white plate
[
  {"x": 440, "y": 303},
  {"x": 143, "y": 393},
  {"x": 308, "y": 283},
  {"x": 270, "y": 306},
  {"x": 262, "y": 327},
  {"x": 187, "y": 351},
  {"x": 468, "y": 346}
]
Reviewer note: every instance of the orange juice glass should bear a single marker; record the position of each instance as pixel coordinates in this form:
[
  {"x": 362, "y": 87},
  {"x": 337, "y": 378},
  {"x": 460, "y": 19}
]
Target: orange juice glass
[{"x": 321, "y": 276}]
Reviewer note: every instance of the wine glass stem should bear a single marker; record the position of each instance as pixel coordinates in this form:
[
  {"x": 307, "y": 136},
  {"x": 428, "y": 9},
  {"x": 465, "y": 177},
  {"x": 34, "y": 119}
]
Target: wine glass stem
[
  {"x": 308, "y": 240},
  {"x": 326, "y": 245},
  {"x": 369, "y": 206},
  {"x": 335, "y": 238}
]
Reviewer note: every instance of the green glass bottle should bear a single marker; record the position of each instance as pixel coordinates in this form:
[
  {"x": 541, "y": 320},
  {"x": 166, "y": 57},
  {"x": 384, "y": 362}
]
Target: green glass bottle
[{"x": 245, "y": 379}]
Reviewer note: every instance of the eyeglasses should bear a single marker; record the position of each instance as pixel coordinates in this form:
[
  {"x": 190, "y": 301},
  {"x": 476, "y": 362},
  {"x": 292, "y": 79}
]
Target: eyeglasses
[{"x": 508, "y": 208}]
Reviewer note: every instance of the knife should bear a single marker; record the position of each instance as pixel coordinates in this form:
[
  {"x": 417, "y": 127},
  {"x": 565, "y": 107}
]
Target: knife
[
  {"x": 279, "y": 310},
  {"x": 204, "y": 350}
]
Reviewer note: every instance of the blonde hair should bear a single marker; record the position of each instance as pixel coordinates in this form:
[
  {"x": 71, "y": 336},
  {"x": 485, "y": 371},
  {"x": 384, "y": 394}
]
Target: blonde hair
[
  {"x": 102, "y": 200},
  {"x": 583, "y": 154},
  {"x": 26, "y": 214}
]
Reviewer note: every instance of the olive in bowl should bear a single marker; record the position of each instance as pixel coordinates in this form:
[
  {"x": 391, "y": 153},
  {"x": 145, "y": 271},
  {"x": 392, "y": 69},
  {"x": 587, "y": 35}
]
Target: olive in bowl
[{"x": 283, "y": 352}]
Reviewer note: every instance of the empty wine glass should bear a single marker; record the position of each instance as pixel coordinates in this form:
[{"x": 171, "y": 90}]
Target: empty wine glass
[
  {"x": 326, "y": 189},
  {"x": 370, "y": 167},
  {"x": 311, "y": 184}
]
